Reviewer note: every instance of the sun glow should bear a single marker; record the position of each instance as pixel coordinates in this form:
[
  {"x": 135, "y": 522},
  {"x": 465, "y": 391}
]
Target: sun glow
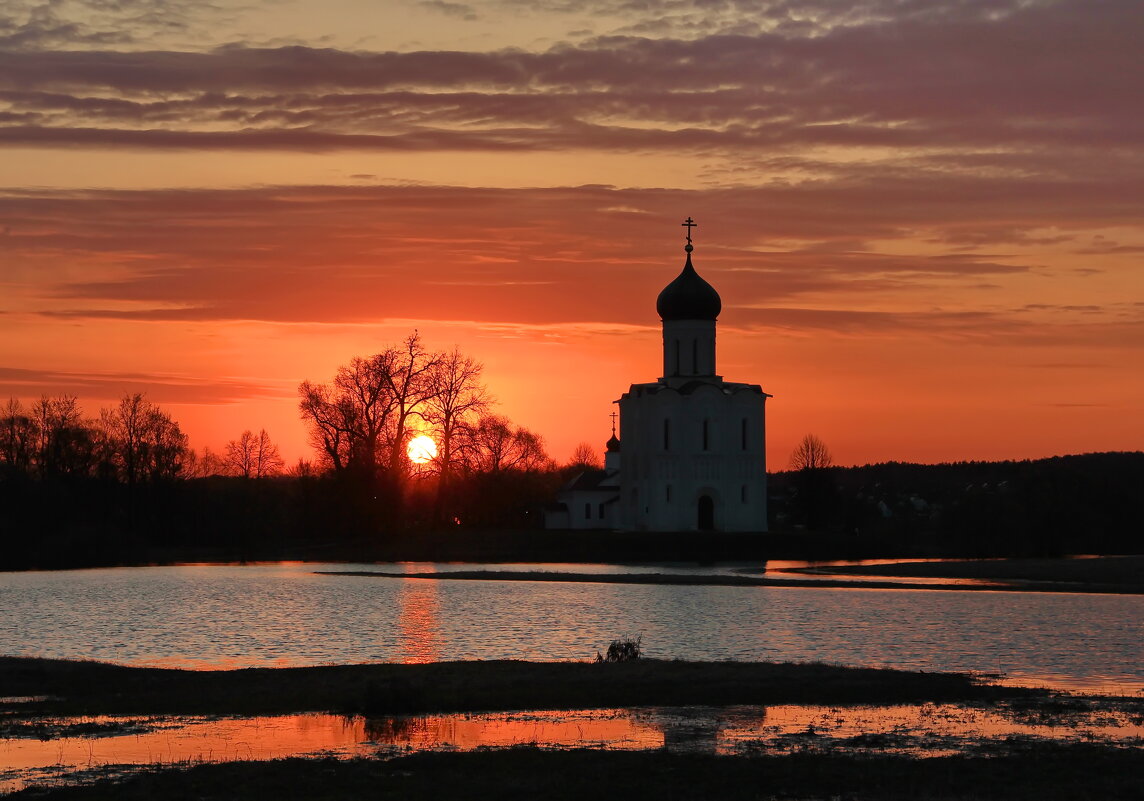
[{"x": 421, "y": 449}]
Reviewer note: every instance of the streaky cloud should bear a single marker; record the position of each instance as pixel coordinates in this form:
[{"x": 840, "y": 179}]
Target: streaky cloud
[{"x": 168, "y": 388}]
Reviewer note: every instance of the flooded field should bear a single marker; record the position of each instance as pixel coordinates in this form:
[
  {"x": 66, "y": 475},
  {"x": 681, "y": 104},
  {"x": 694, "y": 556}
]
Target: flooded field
[
  {"x": 224, "y": 616},
  {"x": 77, "y": 749}
]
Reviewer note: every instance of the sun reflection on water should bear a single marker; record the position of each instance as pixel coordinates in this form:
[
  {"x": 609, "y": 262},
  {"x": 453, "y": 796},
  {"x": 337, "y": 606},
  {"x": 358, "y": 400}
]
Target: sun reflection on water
[{"x": 419, "y": 633}]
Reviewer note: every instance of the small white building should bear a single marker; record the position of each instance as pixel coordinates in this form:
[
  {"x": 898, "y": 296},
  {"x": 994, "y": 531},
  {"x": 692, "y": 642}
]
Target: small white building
[
  {"x": 591, "y": 499},
  {"x": 693, "y": 445}
]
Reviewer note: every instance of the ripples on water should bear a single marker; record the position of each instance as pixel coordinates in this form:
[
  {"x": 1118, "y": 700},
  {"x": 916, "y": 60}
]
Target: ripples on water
[{"x": 276, "y": 615}]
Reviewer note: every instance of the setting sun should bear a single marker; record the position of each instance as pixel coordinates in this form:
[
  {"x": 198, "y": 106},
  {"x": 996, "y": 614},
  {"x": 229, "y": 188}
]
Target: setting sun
[{"x": 421, "y": 449}]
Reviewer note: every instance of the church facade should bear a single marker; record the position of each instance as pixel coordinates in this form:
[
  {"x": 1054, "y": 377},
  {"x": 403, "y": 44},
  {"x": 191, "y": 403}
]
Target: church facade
[{"x": 691, "y": 453}]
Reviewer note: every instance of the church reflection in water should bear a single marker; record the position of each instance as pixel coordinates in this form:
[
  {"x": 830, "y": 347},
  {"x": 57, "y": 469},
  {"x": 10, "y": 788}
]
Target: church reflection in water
[
  {"x": 691, "y": 730},
  {"x": 699, "y": 729},
  {"x": 418, "y": 631}
]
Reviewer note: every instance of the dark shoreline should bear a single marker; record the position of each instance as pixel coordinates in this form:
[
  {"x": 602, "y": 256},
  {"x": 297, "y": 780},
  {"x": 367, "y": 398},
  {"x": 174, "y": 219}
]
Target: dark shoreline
[
  {"x": 1030, "y": 771},
  {"x": 1116, "y": 574},
  {"x": 1010, "y": 575}
]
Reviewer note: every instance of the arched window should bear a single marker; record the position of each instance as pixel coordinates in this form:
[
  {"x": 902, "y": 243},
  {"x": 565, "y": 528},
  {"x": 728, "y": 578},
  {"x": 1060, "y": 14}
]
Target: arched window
[
  {"x": 743, "y": 493},
  {"x": 743, "y": 433},
  {"x": 667, "y": 493},
  {"x": 667, "y": 434},
  {"x": 587, "y": 511},
  {"x": 706, "y": 434},
  {"x": 676, "y": 344}
]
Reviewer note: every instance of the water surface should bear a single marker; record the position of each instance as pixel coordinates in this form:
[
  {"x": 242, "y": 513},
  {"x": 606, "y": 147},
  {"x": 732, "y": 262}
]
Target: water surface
[
  {"x": 208, "y": 616},
  {"x": 925, "y": 730}
]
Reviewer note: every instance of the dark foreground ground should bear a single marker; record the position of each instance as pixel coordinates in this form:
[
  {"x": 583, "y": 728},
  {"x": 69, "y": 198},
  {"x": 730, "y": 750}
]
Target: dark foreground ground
[
  {"x": 1041, "y": 773},
  {"x": 1014, "y": 769}
]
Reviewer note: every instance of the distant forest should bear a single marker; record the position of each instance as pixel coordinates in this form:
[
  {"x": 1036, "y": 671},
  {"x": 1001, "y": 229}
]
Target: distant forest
[
  {"x": 1084, "y": 504},
  {"x": 125, "y": 488}
]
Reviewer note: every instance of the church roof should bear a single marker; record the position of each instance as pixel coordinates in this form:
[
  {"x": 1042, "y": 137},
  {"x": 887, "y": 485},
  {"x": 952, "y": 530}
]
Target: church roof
[
  {"x": 688, "y": 297},
  {"x": 592, "y": 480},
  {"x": 689, "y": 387}
]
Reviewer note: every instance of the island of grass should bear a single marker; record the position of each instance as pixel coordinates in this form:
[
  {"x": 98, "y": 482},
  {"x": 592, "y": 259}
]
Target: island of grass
[{"x": 64, "y": 687}]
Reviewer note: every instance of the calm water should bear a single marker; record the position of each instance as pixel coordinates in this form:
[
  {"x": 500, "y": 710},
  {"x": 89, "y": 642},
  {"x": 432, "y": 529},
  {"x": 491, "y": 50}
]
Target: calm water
[{"x": 229, "y": 616}]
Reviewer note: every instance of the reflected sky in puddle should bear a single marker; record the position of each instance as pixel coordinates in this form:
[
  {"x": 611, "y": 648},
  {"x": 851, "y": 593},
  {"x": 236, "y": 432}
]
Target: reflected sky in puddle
[{"x": 926, "y": 730}]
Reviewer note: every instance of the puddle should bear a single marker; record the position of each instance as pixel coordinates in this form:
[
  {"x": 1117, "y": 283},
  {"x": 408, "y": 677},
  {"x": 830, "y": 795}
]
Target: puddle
[{"x": 926, "y": 730}]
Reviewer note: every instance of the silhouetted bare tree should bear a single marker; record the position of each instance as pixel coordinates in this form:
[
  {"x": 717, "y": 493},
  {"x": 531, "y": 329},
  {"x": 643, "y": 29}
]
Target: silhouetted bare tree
[
  {"x": 17, "y": 438},
  {"x": 332, "y": 419},
  {"x": 142, "y": 442},
  {"x": 811, "y": 454},
  {"x": 497, "y": 446},
  {"x": 584, "y": 457},
  {"x": 253, "y": 455},
  {"x": 205, "y": 464},
  {"x": 412, "y": 385},
  {"x": 814, "y": 482},
  {"x": 267, "y": 459},
  {"x": 362, "y": 420},
  {"x": 65, "y": 443},
  {"x": 458, "y": 400}
]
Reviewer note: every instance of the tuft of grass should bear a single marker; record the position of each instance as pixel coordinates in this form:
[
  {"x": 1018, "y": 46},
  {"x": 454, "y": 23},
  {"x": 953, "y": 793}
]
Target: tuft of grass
[{"x": 623, "y": 650}]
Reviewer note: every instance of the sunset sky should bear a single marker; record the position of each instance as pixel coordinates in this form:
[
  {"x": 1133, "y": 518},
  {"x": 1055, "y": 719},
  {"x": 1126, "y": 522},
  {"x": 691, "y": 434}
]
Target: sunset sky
[{"x": 925, "y": 217}]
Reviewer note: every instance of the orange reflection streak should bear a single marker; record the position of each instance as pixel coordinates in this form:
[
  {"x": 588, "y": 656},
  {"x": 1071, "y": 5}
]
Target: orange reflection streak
[
  {"x": 419, "y": 639},
  {"x": 187, "y": 739}
]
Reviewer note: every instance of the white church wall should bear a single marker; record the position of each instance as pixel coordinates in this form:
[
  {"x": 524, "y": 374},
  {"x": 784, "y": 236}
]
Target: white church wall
[
  {"x": 687, "y": 446},
  {"x": 688, "y": 348}
]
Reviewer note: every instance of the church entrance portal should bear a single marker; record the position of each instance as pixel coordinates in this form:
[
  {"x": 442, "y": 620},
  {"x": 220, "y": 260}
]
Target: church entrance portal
[{"x": 706, "y": 513}]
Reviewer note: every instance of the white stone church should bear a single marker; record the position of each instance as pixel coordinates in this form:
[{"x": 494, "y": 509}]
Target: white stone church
[{"x": 691, "y": 453}]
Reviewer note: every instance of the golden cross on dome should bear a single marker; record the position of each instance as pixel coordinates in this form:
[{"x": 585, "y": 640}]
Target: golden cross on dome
[{"x": 689, "y": 224}]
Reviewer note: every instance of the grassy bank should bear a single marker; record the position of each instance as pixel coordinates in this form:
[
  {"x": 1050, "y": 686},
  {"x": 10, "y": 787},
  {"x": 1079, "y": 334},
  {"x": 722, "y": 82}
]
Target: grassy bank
[
  {"x": 1034, "y": 772},
  {"x": 89, "y": 688}
]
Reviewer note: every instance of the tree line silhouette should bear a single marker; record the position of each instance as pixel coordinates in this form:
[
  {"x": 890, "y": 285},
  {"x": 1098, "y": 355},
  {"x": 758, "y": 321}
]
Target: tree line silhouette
[
  {"x": 487, "y": 470},
  {"x": 1085, "y": 503},
  {"x": 124, "y": 487}
]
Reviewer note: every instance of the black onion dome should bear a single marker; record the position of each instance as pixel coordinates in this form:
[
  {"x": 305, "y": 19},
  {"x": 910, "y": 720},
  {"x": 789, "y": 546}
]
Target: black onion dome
[
  {"x": 688, "y": 297},
  {"x": 613, "y": 444}
]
